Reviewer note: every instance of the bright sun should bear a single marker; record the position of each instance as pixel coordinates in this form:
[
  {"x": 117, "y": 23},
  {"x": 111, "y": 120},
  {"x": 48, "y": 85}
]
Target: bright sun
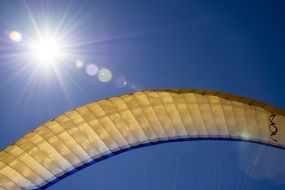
[{"x": 46, "y": 50}]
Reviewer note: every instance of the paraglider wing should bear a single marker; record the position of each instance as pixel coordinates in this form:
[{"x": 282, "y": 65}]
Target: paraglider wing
[{"x": 107, "y": 127}]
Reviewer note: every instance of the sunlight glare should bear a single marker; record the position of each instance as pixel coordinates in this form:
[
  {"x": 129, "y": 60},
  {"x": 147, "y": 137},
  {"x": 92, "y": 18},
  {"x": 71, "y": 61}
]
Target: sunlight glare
[{"x": 46, "y": 50}]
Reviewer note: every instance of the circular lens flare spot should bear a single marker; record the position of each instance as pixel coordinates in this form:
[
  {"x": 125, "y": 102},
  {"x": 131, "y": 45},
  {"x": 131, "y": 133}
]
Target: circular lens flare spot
[
  {"x": 105, "y": 75},
  {"x": 121, "y": 82},
  {"x": 91, "y": 69},
  {"x": 245, "y": 135},
  {"x": 262, "y": 162},
  {"x": 79, "y": 63},
  {"x": 15, "y": 36}
]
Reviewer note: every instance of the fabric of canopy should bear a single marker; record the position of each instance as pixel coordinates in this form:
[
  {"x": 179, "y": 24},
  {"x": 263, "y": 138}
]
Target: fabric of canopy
[{"x": 98, "y": 130}]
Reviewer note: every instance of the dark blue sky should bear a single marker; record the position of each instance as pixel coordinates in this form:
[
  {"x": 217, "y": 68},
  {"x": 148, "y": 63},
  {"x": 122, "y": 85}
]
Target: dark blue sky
[{"x": 236, "y": 47}]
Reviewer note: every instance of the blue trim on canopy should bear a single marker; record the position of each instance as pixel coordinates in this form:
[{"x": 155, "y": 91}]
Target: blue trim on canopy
[{"x": 141, "y": 146}]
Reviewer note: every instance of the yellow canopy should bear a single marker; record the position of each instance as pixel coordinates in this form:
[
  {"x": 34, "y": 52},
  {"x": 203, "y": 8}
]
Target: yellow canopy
[{"x": 100, "y": 129}]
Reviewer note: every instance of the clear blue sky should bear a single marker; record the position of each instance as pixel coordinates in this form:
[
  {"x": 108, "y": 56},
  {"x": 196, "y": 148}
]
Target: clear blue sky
[{"x": 229, "y": 46}]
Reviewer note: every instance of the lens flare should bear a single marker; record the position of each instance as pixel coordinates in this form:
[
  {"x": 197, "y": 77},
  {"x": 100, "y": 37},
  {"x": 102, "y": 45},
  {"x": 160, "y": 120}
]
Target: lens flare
[
  {"x": 104, "y": 75},
  {"x": 245, "y": 135},
  {"x": 263, "y": 163},
  {"x": 91, "y": 69},
  {"x": 121, "y": 82},
  {"x": 79, "y": 63},
  {"x": 15, "y": 36}
]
